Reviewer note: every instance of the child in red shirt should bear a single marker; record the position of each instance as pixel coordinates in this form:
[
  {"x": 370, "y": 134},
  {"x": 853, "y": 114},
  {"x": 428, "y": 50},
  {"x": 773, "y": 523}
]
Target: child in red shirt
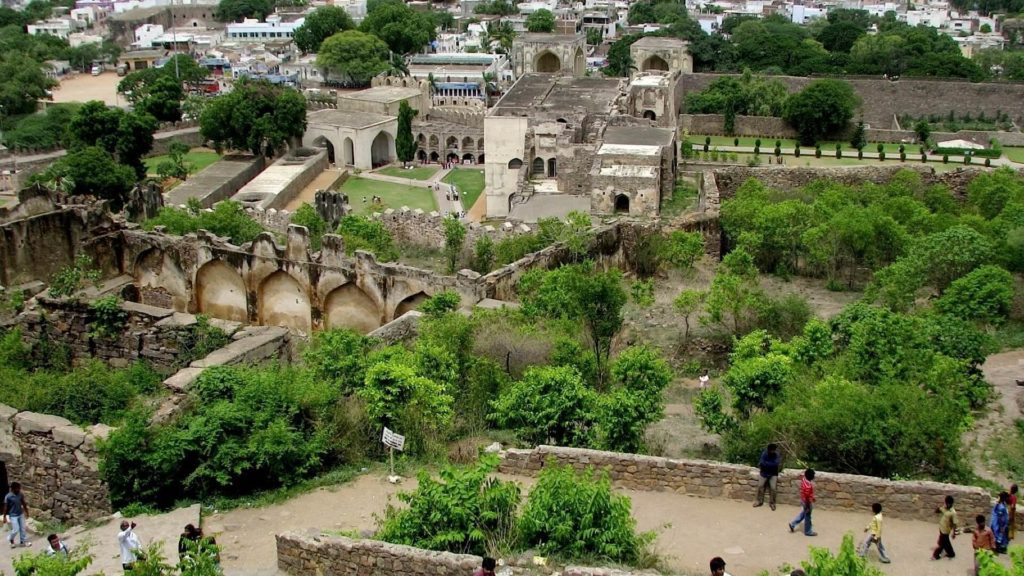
[{"x": 806, "y": 504}]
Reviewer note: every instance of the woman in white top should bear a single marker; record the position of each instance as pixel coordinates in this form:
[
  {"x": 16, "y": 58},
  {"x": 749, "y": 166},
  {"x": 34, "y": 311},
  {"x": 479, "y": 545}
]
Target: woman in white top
[{"x": 704, "y": 378}]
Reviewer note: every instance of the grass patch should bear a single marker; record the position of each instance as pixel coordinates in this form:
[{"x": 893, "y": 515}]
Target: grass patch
[
  {"x": 1007, "y": 336},
  {"x": 470, "y": 183},
  {"x": 684, "y": 198},
  {"x": 198, "y": 158},
  {"x": 392, "y": 195},
  {"x": 417, "y": 173},
  {"x": 766, "y": 143},
  {"x": 1014, "y": 154},
  {"x": 1007, "y": 450},
  {"x": 422, "y": 257},
  {"x": 260, "y": 499}
]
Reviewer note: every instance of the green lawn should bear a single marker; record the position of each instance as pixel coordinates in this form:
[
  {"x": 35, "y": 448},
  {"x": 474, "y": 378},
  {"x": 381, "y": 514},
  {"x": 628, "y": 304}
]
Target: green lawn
[
  {"x": 768, "y": 144},
  {"x": 470, "y": 183},
  {"x": 417, "y": 173},
  {"x": 1014, "y": 154},
  {"x": 810, "y": 160},
  {"x": 392, "y": 195},
  {"x": 199, "y": 158}
]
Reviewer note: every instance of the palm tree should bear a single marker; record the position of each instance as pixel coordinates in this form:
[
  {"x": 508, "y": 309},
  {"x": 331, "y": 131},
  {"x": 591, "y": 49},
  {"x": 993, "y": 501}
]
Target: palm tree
[
  {"x": 398, "y": 65},
  {"x": 504, "y": 33},
  {"x": 60, "y": 183}
]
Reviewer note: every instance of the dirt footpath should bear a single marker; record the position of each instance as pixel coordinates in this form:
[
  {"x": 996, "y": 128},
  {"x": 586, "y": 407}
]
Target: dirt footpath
[
  {"x": 690, "y": 531},
  {"x": 83, "y": 87}
]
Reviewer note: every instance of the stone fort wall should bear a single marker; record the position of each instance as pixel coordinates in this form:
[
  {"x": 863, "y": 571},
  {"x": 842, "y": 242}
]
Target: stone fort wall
[
  {"x": 337, "y": 555},
  {"x": 884, "y": 99},
  {"x": 56, "y": 463},
  {"x": 915, "y": 500}
]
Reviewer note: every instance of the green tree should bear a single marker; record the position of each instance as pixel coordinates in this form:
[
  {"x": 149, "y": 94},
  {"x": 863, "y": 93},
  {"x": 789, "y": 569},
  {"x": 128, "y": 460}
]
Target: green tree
[
  {"x": 81, "y": 57},
  {"x": 236, "y": 10},
  {"x": 176, "y": 166},
  {"x": 990, "y": 192},
  {"x": 338, "y": 358},
  {"x": 497, "y": 7},
  {"x": 541, "y": 20},
  {"x": 757, "y": 383},
  {"x": 255, "y": 116},
  {"x": 735, "y": 294},
  {"x": 548, "y": 405},
  {"x": 362, "y": 233},
  {"x": 823, "y": 107},
  {"x": 682, "y": 249},
  {"x": 840, "y": 36},
  {"x": 985, "y": 295},
  {"x": 859, "y": 140},
  {"x": 483, "y": 254},
  {"x": 163, "y": 100},
  {"x": 321, "y": 24},
  {"x": 306, "y": 216},
  {"x": 639, "y": 376},
  {"x": 404, "y": 142},
  {"x": 403, "y": 29},
  {"x": 923, "y": 131},
  {"x": 24, "y": 82},
  {"x": 686, "y": 303},
  {"x": 93, "y": 171},
  {"x": 127, "y": 135},
  {"x": 620, "y": 63},
  {"x": 400, "y": 399},
  {"x": 454, "y": 238},
  {"x": 356, "y": 55}
]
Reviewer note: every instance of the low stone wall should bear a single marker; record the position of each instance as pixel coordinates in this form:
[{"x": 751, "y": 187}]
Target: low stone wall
[
  {"x": 56, "y": 463},
  {"x": 300, "y": 555},
  {"x": 426, "y": 229},
  {"x": 186, "y": 133},
  {"x": 218, "y": 181},
  {"x": 913, "y": 500}
]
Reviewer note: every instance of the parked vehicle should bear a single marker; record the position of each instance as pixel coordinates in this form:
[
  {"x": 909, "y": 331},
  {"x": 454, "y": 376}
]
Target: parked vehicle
[{"x": 97, "y": 69}]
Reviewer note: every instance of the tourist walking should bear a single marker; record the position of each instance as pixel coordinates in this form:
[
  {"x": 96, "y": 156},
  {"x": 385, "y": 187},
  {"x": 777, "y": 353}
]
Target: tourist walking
[
  {"x": 806, "y": 504},
  {"x": 947, "y": 530},
  {"x": 768, "y": 465},
  {"x": 56, "y": 547},
  {"x": 1012, "y": 507},
  {"x": 16, "y": 512},
  {"x": 718, "y": 567},
  {"x": 130, "y": 545},
  {"x": 1001, "y": 523},
  {"x": 982, "y": 539},
  {"x": 874, "y": 530}
]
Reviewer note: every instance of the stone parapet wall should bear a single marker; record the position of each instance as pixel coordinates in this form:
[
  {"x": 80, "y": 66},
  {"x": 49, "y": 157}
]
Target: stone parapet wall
[
  {"x": 915, "y": 500},
  {"x": 300, "y": 555},
  {"x": 426, "y": 229},
  {"x": 56, "y": 463},
  {"x": 218, "y": 181}
]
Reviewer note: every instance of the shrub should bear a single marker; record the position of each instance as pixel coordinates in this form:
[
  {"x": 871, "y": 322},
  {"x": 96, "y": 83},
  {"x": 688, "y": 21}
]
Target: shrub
[
  {"x": 839, "y": 151},
  {"x": 362, "y": 233},
  {"x": 549, "y": 405},
  {"x": 817, "y": 151},
  {"x": 796, "y": 151},
  {"x": 228, "y": 218},
  {"x": 70, "y": 279},
  {"x": 307, "y": 216},
  {"x": 338, "y": 358},
  {"x": 43, "y": 564},
  {"x": 860, "y": 154},
  {"x": 682, "y": 249},
  {"x": 903, "y": 156},
  {"x": 399, "y": 398},
  {"x": 464, "y": 511},
  {"x": 902, "y": 148},
  {"x": 642, "y": 292},
  {"x": 881, "y": 156},
  {"x": 483, "y": 255},
  {"x": 107, "y": 318},
  {"x": 757, "y": 142},
  {"x": 579, "y": 516},
  {"x": 847, "y": 562},
  {"x": 735, "y": 141},
  {"x": 988, "y": 162},
  {"x": 757, "y": 149},
  {"x": 880, "y": 148},
  {"x": 945, "y": 158},
  {"x": 985, "y": 294}
]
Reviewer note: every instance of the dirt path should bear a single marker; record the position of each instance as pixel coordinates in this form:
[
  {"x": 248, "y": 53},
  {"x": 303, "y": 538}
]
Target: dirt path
[
  {"x": 1001, "y": 371},
  {"x": 322, "y": 182},
  {"x": 690, "y": 531}
]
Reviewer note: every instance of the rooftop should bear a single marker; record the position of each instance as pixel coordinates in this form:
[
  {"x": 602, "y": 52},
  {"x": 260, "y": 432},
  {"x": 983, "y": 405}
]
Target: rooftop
[
  {"x": 548, "y": 91},
  {"x": 659, "y": 42},
  {"x": 543, "y": 38},
  {"x": 386, "y": 94},
  {"x": 453, "y": 59},
  {"x": 638, "y": 135},
  {"x": 343, "y": 119}
]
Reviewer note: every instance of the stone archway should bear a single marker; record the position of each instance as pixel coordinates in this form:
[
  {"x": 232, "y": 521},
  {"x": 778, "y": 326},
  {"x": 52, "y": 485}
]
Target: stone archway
[
  {"x": 349, "y": 152},
  {"x": 452, "y": 157},
  {"x": 323, "y": 142},
  {"x": 410, "y": 303},
  {"x": 451, "y": 143},
  {"x": 537, "y": 168},
  {"x": 622, "y": 204},
  {"x": 421, "y": 155},
  {"x": 548, "y": 62},
  {"x": 421, "y": 141},
  {"x": 467, "y": 157},
  {"x": 283, "y": 302},
  {"x": 579, "y": 63},
  {"x": 552, "y": 167},
  {"x": 480, "y": 159},
  {"x": 220, "y": 292},
  {"x": 433, "y": 141},
  {"x": 480, "y": 144},
  {"x": 467, "y": 144},
  {"x": 380, "y": 149},
  {"x": 654, "y": 62},
  {"x": 160, "y": 280},
  {"x": 515, "y": 164},
  {"x": 349, "y": 307},
  {"x": 435, "y": 157},
  {"x": 650, "y": 115}
]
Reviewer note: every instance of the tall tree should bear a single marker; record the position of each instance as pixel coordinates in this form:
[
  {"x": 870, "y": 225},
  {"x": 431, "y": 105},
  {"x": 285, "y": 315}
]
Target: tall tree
[
  {"x": 234, "y": 10},
  {"x": 541, "y": 21},
  {"x": 256, "y": 116},
  {"x": 324, "y": 22},
  {"x": 403, "y": 29},
  {"x": 454, "y": 238},
  {"x": 22, "y": 83},
  {"x": 354, "y": 54},
  {"x": 126, "y": 135},
  {"x": 404, "y": 143},
  {"x": 823, "y": 107},
  {"x": 92, "y": 170}
]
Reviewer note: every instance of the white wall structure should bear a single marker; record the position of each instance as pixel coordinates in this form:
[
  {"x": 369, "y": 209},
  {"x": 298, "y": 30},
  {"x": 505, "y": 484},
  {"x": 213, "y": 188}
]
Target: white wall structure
[{"x": 252, "y": 30}]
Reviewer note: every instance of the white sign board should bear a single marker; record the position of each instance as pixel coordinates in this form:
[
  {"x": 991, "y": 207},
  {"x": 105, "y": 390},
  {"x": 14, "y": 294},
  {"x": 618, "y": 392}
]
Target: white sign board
[{"x": 390, "y": 439}]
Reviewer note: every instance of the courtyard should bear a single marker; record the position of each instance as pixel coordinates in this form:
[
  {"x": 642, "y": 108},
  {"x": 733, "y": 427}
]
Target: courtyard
[
  {"x": 86, "y": 87},
  {"x": 392, "y": 195}
]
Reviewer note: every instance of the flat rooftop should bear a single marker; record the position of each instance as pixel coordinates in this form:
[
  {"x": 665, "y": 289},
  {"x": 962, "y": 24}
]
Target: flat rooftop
[
  {"x": 547, "y": 91},
  {"x": 543, "y": 38},
  {"x": 345, "y": 119},
  {"x": 385, "y": 94},
  {"x": 629, "y": 150},
  {"x": 637, "y": 135},
  {"x": 659, "y": 42}
]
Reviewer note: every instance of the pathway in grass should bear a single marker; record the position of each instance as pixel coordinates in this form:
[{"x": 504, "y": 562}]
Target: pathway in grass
[
  {"x": 470, "y": 183},
  {"x": 392, "y": 195},
  {"x": 417, "y": 173},
  {"x": 199, "y": 158}
]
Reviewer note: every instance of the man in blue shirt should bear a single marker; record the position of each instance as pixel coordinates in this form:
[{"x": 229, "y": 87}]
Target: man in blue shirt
[
  {"x": 16, "y": 509},
  {"x": 769, "y": 466}
]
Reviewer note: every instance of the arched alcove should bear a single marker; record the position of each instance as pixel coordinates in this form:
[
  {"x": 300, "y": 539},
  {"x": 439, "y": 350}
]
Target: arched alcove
[
  {"x": 649, "y": 114},
  {"x": 220, "y": 292},
  {"x": 380, "y": 149},
  {"x": 622, "y": 204},
  {"x": 515, "y": 164},
  {"x": 552, "y": 167},
  {"x": 283, "y": 302},
  {"x": 654, "y": 62},
  {"x": 410, "y": 303},
  {"x": 548, "y": 62},
  {"x": 349, "y": 307},
  {"x": 349, "y": 152},
  {"x": 537, "y": 168}
]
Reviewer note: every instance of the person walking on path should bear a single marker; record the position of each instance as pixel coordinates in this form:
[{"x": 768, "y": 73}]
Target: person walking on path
[
  {"x": 1001, "y": 523},
  {"x": 718, "y": 567},
  {"x": 806, "y": 504},
  {"x": 16, "y": 512},
  {"x": 982, "y": 539},
  {"x": 130, "y": 545},
  {"x": 769, "y": 465},
  {"x": 1012, "y": 507},
  {"x": 947, "y": 530},
  {"x": 874, "y": 530}
]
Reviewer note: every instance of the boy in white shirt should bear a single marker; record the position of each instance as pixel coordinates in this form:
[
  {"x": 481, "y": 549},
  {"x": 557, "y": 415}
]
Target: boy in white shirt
[{"x": 129, "y": 544}]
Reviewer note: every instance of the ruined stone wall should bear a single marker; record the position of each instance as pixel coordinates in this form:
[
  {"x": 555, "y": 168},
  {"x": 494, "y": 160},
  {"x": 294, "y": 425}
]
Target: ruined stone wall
[
  {"x": 426, "y": 229},
  {"x": 56, "y": 463},
  {"x": 300, "y": 555},
  {"x": 882, "y": 99},
  {"x": 915, "y": 500},
  {"x": 151, "y": 334}
]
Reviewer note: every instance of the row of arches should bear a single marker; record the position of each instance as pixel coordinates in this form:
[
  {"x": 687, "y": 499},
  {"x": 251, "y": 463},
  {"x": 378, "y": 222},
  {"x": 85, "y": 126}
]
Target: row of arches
[
  {"x": 423, "y": 156},
  {"x": 466, "y": 144},
  {"x": 538, "y": 167},
  {"x": 380, "y": 150}
]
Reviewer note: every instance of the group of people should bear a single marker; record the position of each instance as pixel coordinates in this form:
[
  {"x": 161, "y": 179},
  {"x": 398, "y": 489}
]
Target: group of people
[
  {"x": 191, "y": 544},
  {"x": 376, "y": 200}
]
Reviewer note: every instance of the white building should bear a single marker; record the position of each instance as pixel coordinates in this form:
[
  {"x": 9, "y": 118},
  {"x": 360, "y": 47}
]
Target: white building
[
  {"x": 89, "y": 15},
  {"x": 145, "y": 34},
  {"x": 76, "y": 39},
  {"x": 59, "y": 27},
  {"x": 800, "y": 14},
  {"x": 252, "y": 30},
  {"x": 934, "y": 17}
]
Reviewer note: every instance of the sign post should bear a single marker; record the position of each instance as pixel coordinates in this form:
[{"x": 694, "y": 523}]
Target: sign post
[{"x": 394, "y": 442}]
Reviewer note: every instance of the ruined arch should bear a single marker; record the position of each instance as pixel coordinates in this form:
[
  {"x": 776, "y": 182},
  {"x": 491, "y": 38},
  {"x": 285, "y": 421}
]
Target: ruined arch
[
  {"x": 451, "y": 142},
  {"x": 323, "y": 142},
  {"x": 480, "y": 144},
  {"x": 515, "y": 164},
  {"x": 220, "y": 292},
  {"x": 433, "y": 141},
  {"x": 380, "y": 149},
  {"x": 410, "y": 303},
  {"x": 579, "y": 63},
  {"x": 622, "y": 204},
  {"x": 469, "y": 157},
  {"x": 349, "y": 152},
  {"x": 283, "y": 302},
  {"x": 537, "y": 168},
  {"x": 159, "y": 279},
  {"x": 548, "y": 62},
  {"x": 434, "y": 156},
  {"x": 654, "y": 62},
  {"x": 347, "y": 306},
  {"x": 467, "y": 144},
  {"x": 452, "y": 157},
  {"x": 650, "y": 115},
  {"x": 421, "y": 141},
  {"x": 421, "y": 155}
]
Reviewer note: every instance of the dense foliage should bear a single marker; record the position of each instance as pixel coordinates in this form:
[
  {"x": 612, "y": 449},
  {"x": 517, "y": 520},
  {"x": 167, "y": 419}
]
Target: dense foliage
[
  {"x": 362, "y": 233},
  {"x": 355, "y": 55},
  {"x": 227, "y": 218},
  {"x": 256, "y": 116},
  {"x": 321, "y": 24},
  {"x": 402, "y": 28}
]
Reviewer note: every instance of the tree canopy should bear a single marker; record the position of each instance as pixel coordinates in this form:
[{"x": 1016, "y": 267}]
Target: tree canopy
[
  {"x": 354, "y": 54},
  {"x": 256, "y": 116},
  {"x": 823, "y": 107},
  {"x": 405, "y": 145},
  {"x": 321, "y": 24},
  {"x": 235, "y": 10},
  {"x": 541, "y": 21},
  {"x": 403, "y": 29},
  {"x": 126, "y": 135}
]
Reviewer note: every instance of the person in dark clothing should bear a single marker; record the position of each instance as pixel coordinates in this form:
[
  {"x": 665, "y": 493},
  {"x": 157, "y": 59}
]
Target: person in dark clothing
[{"x": 769, "y": 465}]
